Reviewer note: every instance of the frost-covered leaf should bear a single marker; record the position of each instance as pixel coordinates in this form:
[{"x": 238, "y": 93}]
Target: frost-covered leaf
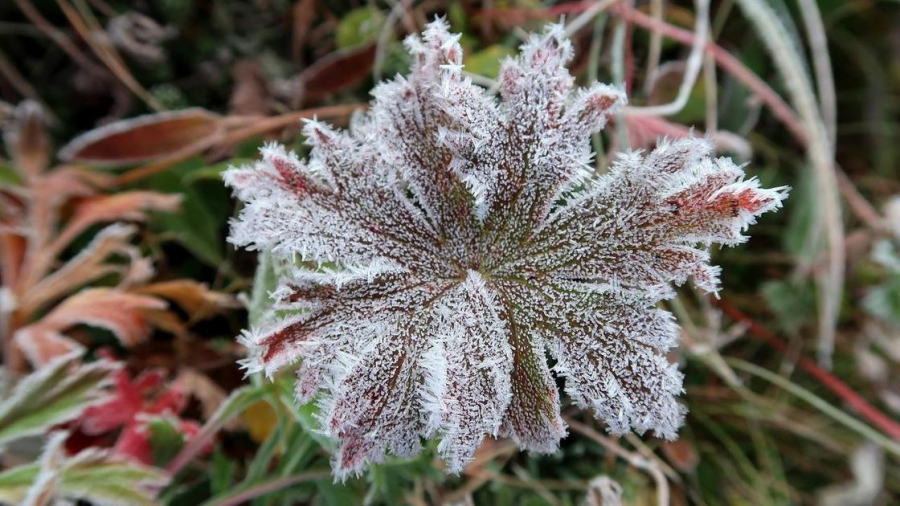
[
  {"x": 461, "y": 238},
  {"x": 56, "y": 393}
]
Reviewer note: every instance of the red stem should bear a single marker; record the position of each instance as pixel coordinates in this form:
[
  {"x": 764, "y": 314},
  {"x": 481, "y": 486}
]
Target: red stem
[{"x": 887, "y": 424}]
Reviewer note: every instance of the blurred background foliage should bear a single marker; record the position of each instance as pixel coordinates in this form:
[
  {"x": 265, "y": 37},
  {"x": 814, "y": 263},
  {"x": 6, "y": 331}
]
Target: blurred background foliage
[{"x": 767, "y": 425}]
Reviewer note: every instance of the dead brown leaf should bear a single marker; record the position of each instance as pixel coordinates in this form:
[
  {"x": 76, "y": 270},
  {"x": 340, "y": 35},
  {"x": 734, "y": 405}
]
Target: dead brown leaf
[
  {"x": 122, "y": 206},
  {"x": 195, "y": 298},
  {"x": 143, "y": 138},
  {"x": 249, "y": 95},
  {"x": 303, "y": 13},
  {"x": 338, "y": 71},
  {"x": 122, "y": 313}
]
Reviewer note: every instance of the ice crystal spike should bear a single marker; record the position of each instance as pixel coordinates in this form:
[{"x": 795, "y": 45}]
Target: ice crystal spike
[{"x": 470, "y": 242}]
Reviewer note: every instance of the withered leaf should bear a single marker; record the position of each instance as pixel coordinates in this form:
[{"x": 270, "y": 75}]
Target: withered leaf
[
  {"x": 338, "y": 71},
  {"x": 143, "y": 138}
]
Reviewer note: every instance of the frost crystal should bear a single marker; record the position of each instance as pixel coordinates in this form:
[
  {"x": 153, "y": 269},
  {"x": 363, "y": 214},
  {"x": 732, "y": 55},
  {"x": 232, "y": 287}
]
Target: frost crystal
[{"x": 470, "y": 240}]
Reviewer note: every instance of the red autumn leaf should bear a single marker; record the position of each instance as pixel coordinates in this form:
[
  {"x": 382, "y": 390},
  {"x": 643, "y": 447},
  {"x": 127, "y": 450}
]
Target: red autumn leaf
[
  {"x": 135, "y": 403},
  {"x": 143, "y": 138},
  {"x": 147, "y": 393}
]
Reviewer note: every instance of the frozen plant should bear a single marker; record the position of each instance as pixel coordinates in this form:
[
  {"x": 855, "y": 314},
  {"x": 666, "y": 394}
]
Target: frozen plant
[{"x": 460, "y": 238}]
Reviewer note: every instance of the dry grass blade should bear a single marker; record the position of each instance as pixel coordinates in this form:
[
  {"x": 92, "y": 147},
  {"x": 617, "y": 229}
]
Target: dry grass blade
[
  {"x": 58, "y": 37},
  {"x": 657, "y": 7},
  {"x": 303, "y": 13},
  {"x": 587, "y": 16},
  {"x": 848, "y": 421},
  {"x": 92, "y": 33},
  {"x": 830, "y": 222},
  {"x": 17, "y": 80},
  {"x": 818, "y": 43}
]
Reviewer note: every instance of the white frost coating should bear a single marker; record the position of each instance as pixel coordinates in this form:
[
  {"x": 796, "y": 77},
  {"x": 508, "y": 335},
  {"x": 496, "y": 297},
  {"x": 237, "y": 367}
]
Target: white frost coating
[
  {"x": 471, "y": 388},
  {"x": 459, "y": 241}
]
